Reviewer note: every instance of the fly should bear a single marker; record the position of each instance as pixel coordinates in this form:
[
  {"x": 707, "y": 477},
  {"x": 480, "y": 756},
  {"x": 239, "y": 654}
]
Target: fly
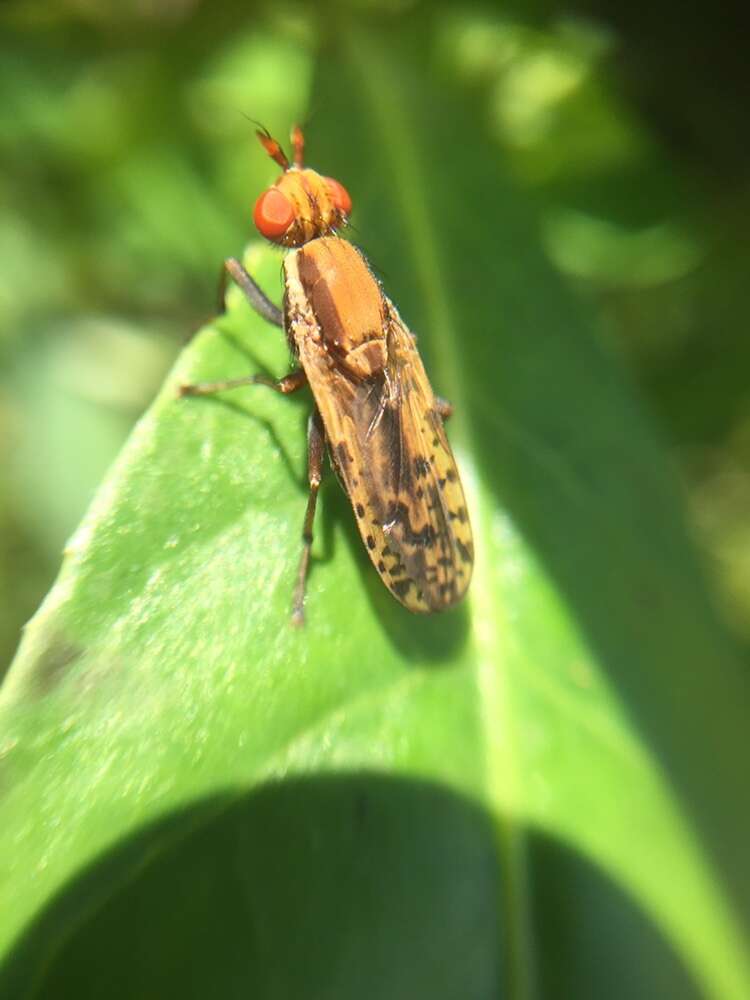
[{"x": 374, "y": 409}]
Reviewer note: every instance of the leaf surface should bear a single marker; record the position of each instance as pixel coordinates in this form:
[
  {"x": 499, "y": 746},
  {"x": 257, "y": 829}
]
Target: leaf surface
[{"x": 510, "y": 799}]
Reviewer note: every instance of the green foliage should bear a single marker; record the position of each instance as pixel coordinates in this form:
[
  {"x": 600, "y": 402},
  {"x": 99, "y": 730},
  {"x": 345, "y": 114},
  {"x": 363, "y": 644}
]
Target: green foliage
[
  {"x": 539, "y": 793},
  {"x": 125, "y": 178}
]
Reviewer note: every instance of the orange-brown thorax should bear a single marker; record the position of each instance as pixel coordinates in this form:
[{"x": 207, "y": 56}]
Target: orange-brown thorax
[{"x": 347, "y": 303}]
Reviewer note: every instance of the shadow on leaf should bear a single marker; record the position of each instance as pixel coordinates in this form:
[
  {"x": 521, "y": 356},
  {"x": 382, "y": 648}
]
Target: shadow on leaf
[{"x": 342, "y": 886}]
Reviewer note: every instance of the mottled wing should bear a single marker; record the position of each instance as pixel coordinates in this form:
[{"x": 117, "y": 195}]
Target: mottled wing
[
  {"x": 428, "y": 551},
  {"x": 389, "y": 446}
]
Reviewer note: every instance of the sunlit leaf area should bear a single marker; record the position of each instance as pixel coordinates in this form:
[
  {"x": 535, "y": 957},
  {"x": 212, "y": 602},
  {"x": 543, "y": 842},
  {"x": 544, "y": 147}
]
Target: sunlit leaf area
[{"x": 541, "y": 793}]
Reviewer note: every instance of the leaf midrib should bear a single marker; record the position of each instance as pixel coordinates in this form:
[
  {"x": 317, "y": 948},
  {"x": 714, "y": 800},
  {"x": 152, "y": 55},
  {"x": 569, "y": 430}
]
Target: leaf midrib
[{"x": 492, "y": 674}]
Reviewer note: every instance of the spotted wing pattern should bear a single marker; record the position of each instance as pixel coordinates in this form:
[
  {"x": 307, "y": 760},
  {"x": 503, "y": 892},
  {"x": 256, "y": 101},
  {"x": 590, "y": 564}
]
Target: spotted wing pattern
[
  {"x": 389, "y": 448},
  {"x": 417, "y": 499}
]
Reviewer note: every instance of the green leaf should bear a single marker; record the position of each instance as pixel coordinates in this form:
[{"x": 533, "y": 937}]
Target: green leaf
[{"x": 542, "y": 792}]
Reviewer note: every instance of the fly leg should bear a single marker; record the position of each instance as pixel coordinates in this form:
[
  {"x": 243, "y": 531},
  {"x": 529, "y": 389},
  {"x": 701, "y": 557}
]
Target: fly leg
[
  {"x": 315, "y": 451},
  {"x": 265, "y": 308},
  {"x": 289, "y": 383},
  {"x": 444, "y": 408},
  {"x": 257, "y": 298}
]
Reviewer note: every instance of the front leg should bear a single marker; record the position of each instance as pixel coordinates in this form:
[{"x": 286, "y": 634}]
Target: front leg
[{"x": 257, "y": 298}]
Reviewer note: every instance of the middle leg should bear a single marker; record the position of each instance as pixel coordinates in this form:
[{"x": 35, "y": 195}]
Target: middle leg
[{"x": 286, "y": 385}]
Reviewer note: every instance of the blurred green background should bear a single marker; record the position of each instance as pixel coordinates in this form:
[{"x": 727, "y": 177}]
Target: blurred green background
[{"x": 129, "y": 170}]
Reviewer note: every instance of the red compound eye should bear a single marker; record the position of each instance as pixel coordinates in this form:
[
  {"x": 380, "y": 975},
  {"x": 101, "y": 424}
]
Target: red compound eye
[
  {"x": 341, "y": 197},
  {"x": 273, "y": 214}
]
